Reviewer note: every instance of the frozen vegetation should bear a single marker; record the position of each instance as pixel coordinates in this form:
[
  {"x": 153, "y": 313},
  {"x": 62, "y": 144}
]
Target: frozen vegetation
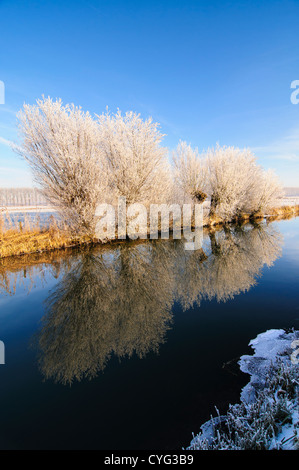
[
  {"x": 267, "y": 417},
  {"x": 80, "y": 161}
]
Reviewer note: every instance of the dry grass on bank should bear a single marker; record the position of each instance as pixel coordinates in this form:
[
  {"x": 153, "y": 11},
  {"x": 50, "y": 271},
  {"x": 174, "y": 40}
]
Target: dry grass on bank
[
  {"x": 277, "y": 213},
  {"x": 27, "y": 238},
  {"x": 284, "y": 212}
]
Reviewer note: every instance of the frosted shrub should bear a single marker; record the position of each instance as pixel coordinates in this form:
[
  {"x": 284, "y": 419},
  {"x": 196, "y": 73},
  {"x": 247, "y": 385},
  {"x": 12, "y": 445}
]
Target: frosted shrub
[
  {"x": 137, "y": 164},
  {"x": 190, "y": 173},
  {"x": 80, "y": 162},
  {"x": 266, "y": 194},
  {"x": 61, "y": 145},
  {"x": 232, "y": 177},
  {"x": 237, "y": 184}
]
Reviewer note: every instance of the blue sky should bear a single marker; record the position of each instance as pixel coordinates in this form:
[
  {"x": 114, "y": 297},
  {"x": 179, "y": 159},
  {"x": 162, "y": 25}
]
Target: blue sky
[{"x": 207, "y": 71}]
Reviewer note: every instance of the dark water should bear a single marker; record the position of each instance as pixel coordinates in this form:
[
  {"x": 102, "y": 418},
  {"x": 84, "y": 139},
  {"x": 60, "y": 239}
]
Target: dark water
[
  {"x": 40, "y": 219},
  {"x": 131, "y": 346}
]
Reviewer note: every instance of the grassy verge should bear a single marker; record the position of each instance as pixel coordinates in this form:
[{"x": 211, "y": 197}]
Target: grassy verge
[
  {"x": 26, "y": 238},
  {"x": 14, "y": 243},
  {"x": 277, "y": 213}
]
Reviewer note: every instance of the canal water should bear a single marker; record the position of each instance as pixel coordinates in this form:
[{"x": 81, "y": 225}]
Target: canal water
[{"x": 132, "y": 346}]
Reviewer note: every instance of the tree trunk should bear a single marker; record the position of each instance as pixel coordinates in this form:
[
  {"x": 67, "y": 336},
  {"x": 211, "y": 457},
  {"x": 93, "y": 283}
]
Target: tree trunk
[{"x": 214, "y": 203}]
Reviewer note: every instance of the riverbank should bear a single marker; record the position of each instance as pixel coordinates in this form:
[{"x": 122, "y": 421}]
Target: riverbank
[
  {"x": 267, "y": 417},
  {"x": 22, "y": 239}
]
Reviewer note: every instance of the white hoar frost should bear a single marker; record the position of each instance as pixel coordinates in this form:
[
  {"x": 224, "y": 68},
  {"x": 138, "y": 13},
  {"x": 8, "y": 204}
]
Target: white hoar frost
[{"x": 268, "y": 416}]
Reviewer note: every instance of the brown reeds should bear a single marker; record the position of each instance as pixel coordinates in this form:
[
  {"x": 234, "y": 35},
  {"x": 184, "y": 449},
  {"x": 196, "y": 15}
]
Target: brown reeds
[
  {"x": 29, "y": 237},
  {"x": 19, "y": 238}
]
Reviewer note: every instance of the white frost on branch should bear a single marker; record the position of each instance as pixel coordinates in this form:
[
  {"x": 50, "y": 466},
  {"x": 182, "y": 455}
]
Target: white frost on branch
[
  {"x": 62, "y": 146},
  {"x": 79, "y": 162},
  {"x": 190, "y": 173},
  {"x": 137, "y": 164},
  {"x": 238, "y": 184}
]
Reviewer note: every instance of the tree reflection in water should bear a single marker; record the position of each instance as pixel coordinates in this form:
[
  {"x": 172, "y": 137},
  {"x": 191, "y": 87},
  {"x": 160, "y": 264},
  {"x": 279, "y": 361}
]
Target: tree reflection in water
[{"x": 119, "y": 302}]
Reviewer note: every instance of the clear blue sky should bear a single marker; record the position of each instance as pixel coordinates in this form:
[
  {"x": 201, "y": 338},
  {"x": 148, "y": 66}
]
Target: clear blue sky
[{"x": 207, "y": 71}]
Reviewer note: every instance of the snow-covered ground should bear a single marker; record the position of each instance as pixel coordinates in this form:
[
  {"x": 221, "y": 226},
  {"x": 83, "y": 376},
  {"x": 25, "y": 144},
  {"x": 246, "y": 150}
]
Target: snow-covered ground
[
  {"x": 268, "y": 415},
  {"x": 11, "y": 209},
  {"x": 290, "y": 201},
  {"x": 286, "y": 201}
]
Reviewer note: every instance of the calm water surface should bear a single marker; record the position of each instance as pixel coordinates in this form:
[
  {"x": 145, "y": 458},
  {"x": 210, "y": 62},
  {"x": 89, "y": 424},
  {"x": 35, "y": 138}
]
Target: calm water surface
[
  {"x": 30, "y": 218},
  {"x": 132, "y": 346}
]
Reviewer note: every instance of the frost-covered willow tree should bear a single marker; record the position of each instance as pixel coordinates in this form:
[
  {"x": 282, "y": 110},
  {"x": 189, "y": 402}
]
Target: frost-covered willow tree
[
  {"x": 190, "y": 173},
  {"x": 232, "y": 179},
  {"x": 238, "y": 184},
  {"x": 137, "y": 164},
  {"x": 267, "y": 192},
  {"x": 62, "y": 146}
]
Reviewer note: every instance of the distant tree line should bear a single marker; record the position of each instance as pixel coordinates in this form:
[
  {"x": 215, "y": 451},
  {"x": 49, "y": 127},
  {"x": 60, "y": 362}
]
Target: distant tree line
[
  {"x": 21, "y": 197},
  {"x": 291, "y": 192},
  {"x": 81, "y": 161}
]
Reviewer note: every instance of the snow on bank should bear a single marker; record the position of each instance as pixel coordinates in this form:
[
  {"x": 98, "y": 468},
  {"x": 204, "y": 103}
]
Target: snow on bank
[
  {"x": 290, "y": 201},
  {"x": 268, "y": 347},
  {"x": 21, "y": 209},
  {"x": 268, "y": 415}
]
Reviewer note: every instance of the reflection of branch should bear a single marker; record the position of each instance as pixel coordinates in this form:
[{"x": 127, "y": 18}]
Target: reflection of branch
[
  {"x": 215, "y": 247},
  {"x": 238, "y": 255},
  {"x": 13, "y": 269},
  {"x": 118, "y": 300},
  {"x": 106, "y": 306}
]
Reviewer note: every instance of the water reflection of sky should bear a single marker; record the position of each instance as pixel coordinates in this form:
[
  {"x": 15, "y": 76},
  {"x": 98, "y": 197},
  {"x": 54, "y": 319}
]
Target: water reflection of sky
[
  {"x": 42, "y": 219},
  {"x": 154, "y": 318}
]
